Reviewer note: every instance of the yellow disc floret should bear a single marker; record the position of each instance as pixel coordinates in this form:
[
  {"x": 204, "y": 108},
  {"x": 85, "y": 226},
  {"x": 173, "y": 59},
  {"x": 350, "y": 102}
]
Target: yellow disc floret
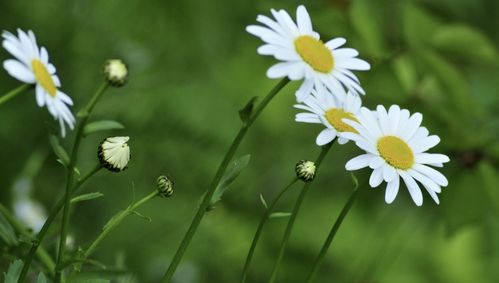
[
  {"x": 335, "y": 116},
  {"x": 315, "y": 53},
  {"x": 43, "y": 77},
  {"x": 396, "y": 152}
]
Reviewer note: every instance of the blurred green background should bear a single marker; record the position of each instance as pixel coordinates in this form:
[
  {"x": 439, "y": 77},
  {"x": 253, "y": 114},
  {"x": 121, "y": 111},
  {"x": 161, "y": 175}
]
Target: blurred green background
[{"x": 192, "y": 67}]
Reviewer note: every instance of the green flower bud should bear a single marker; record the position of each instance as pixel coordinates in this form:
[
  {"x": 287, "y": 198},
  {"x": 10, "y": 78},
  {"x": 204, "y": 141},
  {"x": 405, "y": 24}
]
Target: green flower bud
[
  {"x": 305, "y": 170},
  {"x": 165, "y": 186},
  {"x": 116, "y": 72}
]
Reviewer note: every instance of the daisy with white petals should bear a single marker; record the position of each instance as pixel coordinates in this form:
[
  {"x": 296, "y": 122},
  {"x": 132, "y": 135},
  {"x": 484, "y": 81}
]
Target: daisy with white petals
[
  {"x": 325, "y": 108},
  {"x": 305, "y": 56},
  {"x": 396, "y": 146},
  {"x": 31, "y": 65}
]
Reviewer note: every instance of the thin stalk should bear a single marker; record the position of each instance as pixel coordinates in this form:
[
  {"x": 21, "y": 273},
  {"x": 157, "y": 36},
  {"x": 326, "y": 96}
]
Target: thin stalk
[
  {"x": 331, "y": 235},
  {"x": 292, "y": 218},
  {"x": 115, "y": 221},
  {"x": 42, "y": 254},
  {"x": 259, "y": 230},
  {"x": 13, "y": 93},
  {"x": 53, "y": 214},
  {"x": 211, "y": 189},
  {"x": 70, "y": 179}
]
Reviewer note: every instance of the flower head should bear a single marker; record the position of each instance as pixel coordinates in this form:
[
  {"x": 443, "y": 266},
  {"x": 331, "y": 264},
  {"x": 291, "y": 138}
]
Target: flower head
[
  {"x": 304, "y": 56},
  {"x": 325, "y": 108},
  {"x": 305, "y": 170},
  {"x": 116, "y": 72},
  {"x": 114, "y": 153},
  {"x": 31, "y": 65},
  {"x": 396, "y": 146},
  {"x": 30, "y": 212}
]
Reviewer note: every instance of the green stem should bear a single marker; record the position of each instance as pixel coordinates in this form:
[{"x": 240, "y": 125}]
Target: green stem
[
  {"x": 115, "y": 221},
  {"x": 42, "y": 254},
  {"x": 13, "y": 93},
  {"x": 259, "y": 230},
  {"x": 292, "y": 218},
  {"x": 70, "y": 179},
  {"x": 211, "y": 189},
  {"x": 53, "y": 214},
  {"x": 331, "y": 235}
]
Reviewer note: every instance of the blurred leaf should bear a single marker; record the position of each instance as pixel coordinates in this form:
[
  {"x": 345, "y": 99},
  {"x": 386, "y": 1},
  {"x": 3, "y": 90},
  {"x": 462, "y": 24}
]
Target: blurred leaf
[
  {"x": 264, "y": 203},
  {"x": 489, "y": 175},
  {"x": 103, "y": 125},
  {"x": 147, "y": 218},
  {"x": 245, "y": 113},
  {"x": 465, "y": 42},
  {"x": 88, "y": 196},
  {"x": 230, "y": 175},
  {"x": 366, "y": 16},
  {"x": 41, "y": 278},
  {"x": 7, "y": 232},
  {"x": 405, "y": 72},
  {"x": 419, "y": 26},
  {"x": 59, "y": 151},
  {"x": 14, "y": 271},
  {"x": 280, "y": 214}
]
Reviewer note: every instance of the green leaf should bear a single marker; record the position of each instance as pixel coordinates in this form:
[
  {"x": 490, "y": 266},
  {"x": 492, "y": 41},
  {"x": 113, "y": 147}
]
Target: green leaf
[
  {"x": 368, "y": 26},
  {"x": 14, "y": 271},
  {"x": 419, "y": 26},
  {"x": 7, "y": 233},
  {"x": 230, "y": 175},
  {"x": 103, "y": 125},
  {"x": 280, "y": 215},
  {"x": 88, "y": 196},
  {"x": 41, "y": 278},
  {"x": 59, "y": 151},
  {"x": 263, "y": 202},
  {"x": 456, "y": 39},
  {"x": 245, "y": 113},
  {"x": 405, "y": 70},
  {"x": 147, "y": 218}
]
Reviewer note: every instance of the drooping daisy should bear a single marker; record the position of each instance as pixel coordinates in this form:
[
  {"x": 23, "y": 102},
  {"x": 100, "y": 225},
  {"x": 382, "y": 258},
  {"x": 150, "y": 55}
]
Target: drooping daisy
[
  {"x": 396, "y": 146},
  {"x": 31, "y": 65},
  {"x": 305, "y": 56},
  {"x": 325, "y": 108},
  {"x": 114, "y": 153}
]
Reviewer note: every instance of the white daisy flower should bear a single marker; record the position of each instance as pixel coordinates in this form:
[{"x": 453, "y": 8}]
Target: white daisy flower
[
  {"x": 114, "y": 153},
  {"x": 31, "y": 65},
  {"x": 396, "y": 146},
  {"x": 325, "y": 108},
  {"x": 30, "y": 212},
  {"x": 305, "y": 56}
]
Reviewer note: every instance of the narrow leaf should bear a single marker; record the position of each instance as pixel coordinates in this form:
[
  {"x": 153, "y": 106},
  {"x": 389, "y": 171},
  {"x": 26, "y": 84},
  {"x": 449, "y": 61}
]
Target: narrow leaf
[
  {"x": 14, "y": 271},
  {"x": 103, "y": 125},
  {"x": 246, "y": 112},
  {"x": 7, "y": 233},
  {"x": 230, "y": 175},
  {"x": 147, "y": 218},
  {"x": 88, "y": 196},
  {"x": 59, "y": 151},
  {"x": 263, "y": 202},
  {"x": 280, "y": 215}
]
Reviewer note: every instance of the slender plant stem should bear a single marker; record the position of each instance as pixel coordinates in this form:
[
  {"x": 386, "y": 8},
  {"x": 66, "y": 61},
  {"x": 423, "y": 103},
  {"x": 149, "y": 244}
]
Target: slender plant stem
[
  {"x": 259, "y": 230},
  {"x": 42, "y": 254},
  {"x": 70, "y": 179},
  {"x": 13, "y": 93},
  {"x": 53, "y": 214},
  {"x": 331, "y": 235},
  {"x": 292, "y": 218},
  {"x": 115, "y": 221},
  {"x": 211, "y": 189}
]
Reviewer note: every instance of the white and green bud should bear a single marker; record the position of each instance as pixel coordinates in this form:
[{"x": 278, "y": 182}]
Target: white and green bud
[
  {"x": 164, "y": 186},
  {"x": 305, "y": 170},
  {"x": 114, "y": 153},
  {"x": 116, "y": 72}
]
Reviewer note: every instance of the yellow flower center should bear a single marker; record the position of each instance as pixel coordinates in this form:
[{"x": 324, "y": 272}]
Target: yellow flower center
[
  {"x": 396, "y": 152},
  {"x": 335, "y": 116},
  {"x": 315, "y": 53},
  {"x": 43, "y": 77}
]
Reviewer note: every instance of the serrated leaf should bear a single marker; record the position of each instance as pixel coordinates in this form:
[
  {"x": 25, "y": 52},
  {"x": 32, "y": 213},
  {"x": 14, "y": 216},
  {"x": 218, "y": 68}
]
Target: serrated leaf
[
  {"x": 13, "y": 272},
  {"x": 41, "y": 278},
  {"x": 245, "y": 113},
  {"x": 7, "y": 233},
  {"x": 280, "y": 214},
  {"x": 264, "y": 203},
  {"x": 104, "y": 125},
  {"x": 59, "y": 151},
  {"x": 230, "y": 175},
  {"x": 88, "y": 196}
]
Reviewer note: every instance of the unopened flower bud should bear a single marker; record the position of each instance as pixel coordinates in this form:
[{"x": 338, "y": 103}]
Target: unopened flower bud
[
  {"x": 114, "y": 153},
  {"x": 305, "y": 170},
  {"x": 165, "y": 186},
  {"x": 116, "y": 72}
]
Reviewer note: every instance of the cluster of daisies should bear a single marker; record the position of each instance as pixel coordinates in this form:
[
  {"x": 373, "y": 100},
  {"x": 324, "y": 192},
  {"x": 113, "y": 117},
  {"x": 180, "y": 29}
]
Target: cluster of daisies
[{"x": 394, "y": 141}]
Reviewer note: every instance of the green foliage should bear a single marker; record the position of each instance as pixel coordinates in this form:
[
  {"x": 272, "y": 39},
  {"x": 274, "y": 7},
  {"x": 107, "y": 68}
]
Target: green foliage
[
  {"x": 104, "y": 125},
  {"x": 13, "y": 272},
  {"x": 87, "y": 196},
  {"x": 7, "y": 233}
]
